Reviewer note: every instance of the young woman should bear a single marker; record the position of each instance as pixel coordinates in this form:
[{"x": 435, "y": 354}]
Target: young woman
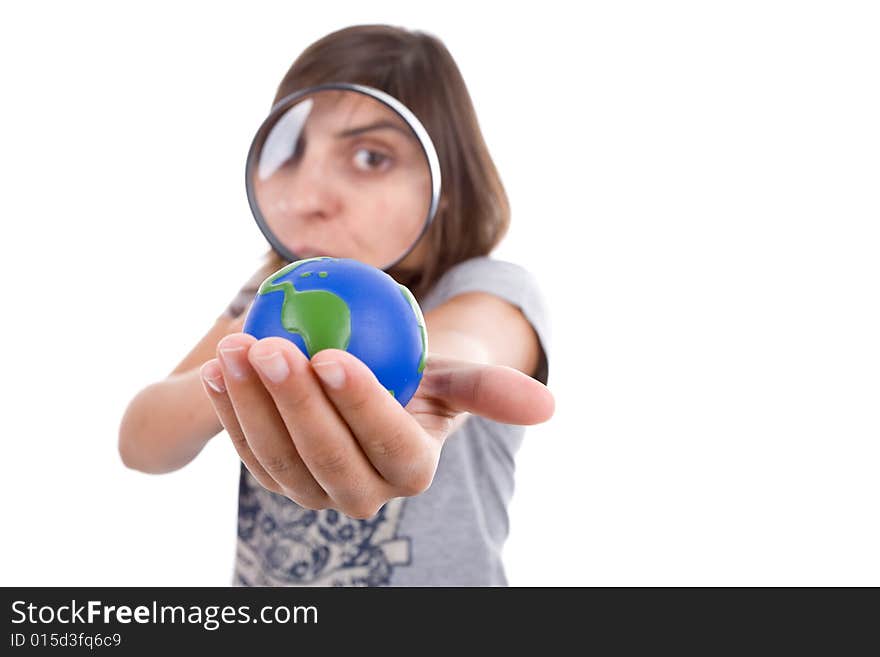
[{"x": 340, "y": 484}]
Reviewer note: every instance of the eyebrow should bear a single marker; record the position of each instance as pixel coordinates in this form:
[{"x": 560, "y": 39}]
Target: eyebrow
[{"x": 378, "y": 125}]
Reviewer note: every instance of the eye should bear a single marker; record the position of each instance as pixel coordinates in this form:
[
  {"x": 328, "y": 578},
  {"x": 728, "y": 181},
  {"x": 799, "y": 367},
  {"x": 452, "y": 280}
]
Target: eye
[{"x": 367, "y": 159}]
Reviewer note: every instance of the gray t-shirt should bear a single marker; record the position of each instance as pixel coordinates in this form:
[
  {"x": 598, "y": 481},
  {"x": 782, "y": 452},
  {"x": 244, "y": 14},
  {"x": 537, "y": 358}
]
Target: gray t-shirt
[{"x": 450, "y": 535}]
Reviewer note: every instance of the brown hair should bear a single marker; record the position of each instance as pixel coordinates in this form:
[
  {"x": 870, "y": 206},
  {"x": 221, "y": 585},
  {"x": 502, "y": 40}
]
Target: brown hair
[{"x": 417, "y": 69}]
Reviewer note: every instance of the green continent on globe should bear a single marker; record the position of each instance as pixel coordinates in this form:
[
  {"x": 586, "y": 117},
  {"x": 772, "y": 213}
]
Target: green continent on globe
[{"x": 321, "y": 318}]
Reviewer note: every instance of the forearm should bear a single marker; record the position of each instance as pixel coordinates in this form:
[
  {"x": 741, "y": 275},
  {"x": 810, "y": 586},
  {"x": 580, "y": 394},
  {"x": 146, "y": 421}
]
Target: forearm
[
  {"x": 445, "y": 341},
  {"x": 485, "y": 329},
  {"x": 167, "y": 424}
]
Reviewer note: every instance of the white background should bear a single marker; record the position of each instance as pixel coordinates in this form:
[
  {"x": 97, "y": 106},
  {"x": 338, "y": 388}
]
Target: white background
[{"x": 694, "y": 184}]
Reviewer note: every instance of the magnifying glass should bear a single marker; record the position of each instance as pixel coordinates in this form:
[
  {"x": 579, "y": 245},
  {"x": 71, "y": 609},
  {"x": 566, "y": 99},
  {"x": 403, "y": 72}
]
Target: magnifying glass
[{"x": 343, "y": 170}]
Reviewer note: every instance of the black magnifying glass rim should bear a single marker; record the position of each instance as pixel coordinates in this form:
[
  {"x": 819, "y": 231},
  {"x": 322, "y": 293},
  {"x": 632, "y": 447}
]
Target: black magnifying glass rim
[{"x": 389, "y": 101}]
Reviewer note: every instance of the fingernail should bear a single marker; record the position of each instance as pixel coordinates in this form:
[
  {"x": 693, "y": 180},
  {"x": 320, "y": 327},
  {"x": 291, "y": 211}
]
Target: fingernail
[
  {"x": 213, "y": 376},
  {"x": 233, "y": 359},
  {"x": 331, "y": 373},
  {"x": 273, "y": 366}
]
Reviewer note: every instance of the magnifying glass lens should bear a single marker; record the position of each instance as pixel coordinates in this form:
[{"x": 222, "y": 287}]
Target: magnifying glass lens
[{"x": 340, "y": 173}]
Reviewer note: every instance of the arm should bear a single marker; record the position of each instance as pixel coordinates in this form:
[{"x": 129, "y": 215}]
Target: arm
[
  {"x": 458, "y": 329},
  {"x": 167, "y": 424}
]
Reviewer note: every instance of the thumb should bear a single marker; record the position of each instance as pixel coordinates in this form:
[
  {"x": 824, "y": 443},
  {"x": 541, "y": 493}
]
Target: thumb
[{"x": 497, "y": 392}]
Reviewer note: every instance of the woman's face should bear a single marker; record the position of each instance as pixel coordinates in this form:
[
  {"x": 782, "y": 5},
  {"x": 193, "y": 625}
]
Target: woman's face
[{"x": 356, "y": 183}]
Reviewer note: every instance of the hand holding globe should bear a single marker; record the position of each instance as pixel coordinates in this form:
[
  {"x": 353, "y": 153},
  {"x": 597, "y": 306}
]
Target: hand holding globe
[{"x": 314, "y": 422}]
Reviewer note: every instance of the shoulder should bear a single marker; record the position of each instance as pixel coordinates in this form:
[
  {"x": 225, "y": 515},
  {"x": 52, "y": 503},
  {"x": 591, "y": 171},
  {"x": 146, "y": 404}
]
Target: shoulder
[{"x": 503, "y": 278}]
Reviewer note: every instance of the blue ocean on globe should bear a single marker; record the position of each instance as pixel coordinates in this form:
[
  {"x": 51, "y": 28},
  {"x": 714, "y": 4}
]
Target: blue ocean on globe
[{"x": 341, "y": 303}]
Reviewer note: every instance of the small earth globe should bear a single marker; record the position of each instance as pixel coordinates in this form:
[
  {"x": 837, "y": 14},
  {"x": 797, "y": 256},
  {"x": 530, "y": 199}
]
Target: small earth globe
[{"x": 341, "y": 303}]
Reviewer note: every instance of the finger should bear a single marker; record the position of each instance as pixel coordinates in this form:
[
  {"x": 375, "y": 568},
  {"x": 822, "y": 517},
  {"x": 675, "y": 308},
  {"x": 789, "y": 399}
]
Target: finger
[
  {"x": 262, "y": 426},
  {"x": 497, "y": 392},
  {"x": 323, "y": 439},
  {"x": 394, "y": 442},
  {"x": 215, "y": 387}
]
